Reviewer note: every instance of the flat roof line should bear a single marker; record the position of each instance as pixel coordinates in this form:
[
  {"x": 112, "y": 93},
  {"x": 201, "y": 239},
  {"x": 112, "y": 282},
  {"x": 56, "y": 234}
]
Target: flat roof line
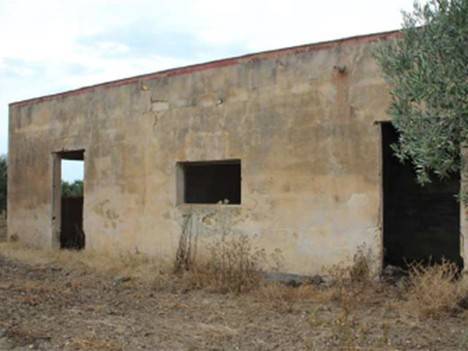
[{"x": 262, "y": 55}]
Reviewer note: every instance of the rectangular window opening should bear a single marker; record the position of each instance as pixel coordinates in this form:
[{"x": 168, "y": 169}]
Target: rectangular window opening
[{"x": 210, "y": 182}]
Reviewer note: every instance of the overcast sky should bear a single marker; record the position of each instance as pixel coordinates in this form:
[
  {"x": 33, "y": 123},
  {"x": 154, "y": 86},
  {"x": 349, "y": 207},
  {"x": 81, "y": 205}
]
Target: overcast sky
[{"x": 48, "y": 46}]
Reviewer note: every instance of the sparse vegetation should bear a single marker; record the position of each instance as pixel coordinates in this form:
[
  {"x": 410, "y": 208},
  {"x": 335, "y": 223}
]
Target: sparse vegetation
[
  {"x": 92, "y": 301},
  {"x": 74, "y": 189},
  {"x": 361, "y": 269},
  {"x": 351, "y": 287},
  {"x": 93, "y": 343},
  {"x": 120, "y": 264},
  {"x": 232, "y": 264},
  {"x": 434, "y": 291},
  {"x": 229, "y": 263},
  {"x": 352, "y": 283},
  {"x": 287, "y": 299}
]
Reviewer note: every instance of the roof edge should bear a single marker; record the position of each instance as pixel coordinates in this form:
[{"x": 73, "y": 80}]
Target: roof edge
[{"x": 261, "y": 55}]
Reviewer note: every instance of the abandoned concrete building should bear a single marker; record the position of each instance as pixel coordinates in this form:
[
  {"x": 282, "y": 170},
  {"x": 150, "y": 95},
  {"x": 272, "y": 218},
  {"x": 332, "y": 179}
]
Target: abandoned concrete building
[{"x": 290, "y": 147}]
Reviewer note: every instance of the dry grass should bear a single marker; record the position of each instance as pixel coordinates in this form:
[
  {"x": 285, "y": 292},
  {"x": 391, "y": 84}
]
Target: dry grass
[
  {"x": 350, "y": 311},
  {"x": 133, "y": 266},
  {"x": 231, "y": 264},
  {"x": 284, "y": 298},
  {"x": 350, "y": 284},
  {"x": 351, "y": 287},
  {"x": 361, "y": 269},
  {"x": 228, "y": 264},
  {"x": 93, "y": 343},
  {"x": 359, "y": 272},
  {"x": 434, "y": 291}
]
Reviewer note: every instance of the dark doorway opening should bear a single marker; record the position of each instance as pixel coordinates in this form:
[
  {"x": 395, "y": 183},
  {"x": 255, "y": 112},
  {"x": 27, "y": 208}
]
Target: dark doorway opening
[
  {"x": 421, "y": 223},
  {"x": 72, "y": 235},
  {"x": 211, "y": 182}
]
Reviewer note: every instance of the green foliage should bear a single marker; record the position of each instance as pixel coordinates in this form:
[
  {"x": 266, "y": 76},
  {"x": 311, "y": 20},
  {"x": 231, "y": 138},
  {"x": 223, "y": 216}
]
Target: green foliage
[
  {"x": 427, "y": 70},
  {"x": 74, "y": 189},
  {"x": 3, "y": 182}
]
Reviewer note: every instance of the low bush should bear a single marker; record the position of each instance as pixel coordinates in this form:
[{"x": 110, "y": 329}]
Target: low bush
[
  {"x": 231, "y": 264},
  {"x": 434, "y": 291}
]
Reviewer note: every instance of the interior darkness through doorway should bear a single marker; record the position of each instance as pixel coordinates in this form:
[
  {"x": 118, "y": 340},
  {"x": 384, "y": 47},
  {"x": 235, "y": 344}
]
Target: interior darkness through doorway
[
  {"x": 71, "y": 206},
  {"x": 421, "y": 223}
]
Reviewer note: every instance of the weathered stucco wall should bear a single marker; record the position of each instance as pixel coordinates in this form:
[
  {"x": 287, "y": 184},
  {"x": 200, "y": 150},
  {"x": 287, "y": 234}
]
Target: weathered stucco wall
[
  {"x": 464, "y": 209},
  {"x": 304, "y": 132},
  {"x": 3, "y": 226}
]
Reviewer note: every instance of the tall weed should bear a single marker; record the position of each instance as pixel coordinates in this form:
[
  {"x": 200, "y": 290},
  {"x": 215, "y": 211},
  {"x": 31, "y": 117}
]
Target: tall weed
[{"x": 231, "y": 264}]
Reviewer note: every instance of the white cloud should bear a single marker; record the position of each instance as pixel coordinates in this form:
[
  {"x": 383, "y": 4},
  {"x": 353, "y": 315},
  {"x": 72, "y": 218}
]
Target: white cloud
[
  {"x": 53, "y": 45},
  {"x": 275, "y": 23}
]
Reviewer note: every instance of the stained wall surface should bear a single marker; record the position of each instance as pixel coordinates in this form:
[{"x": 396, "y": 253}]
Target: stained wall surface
[
  {"x": 304, "y": 131},
  {"x": 3, "y": 227},
  {"x": 464, "y": 209}
]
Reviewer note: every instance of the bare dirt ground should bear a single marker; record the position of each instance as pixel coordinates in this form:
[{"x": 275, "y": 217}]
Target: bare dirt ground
[{"x": 52, "y": 302}]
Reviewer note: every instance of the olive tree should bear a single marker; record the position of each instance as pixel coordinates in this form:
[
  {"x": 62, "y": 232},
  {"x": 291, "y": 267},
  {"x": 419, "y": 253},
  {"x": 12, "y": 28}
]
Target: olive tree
[
  {"x": 74, "y": 189},
  {"x": 427, "y": 70}
]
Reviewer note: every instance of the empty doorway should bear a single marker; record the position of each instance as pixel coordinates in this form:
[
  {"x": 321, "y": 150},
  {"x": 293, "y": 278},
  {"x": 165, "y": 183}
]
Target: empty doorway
[
  {"x": 420, "y": 223},
  {"x": 69, "y": 199}
]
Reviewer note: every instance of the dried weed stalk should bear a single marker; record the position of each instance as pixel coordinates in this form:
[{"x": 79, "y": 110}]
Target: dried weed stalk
[
  {"x": 232, "y": 264},
  {"x": 434, "y": 291},
  {"x": 186, "y": 251},
  {"x": 351, "y": 285},
  {"x": 352, "y": 282}
]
